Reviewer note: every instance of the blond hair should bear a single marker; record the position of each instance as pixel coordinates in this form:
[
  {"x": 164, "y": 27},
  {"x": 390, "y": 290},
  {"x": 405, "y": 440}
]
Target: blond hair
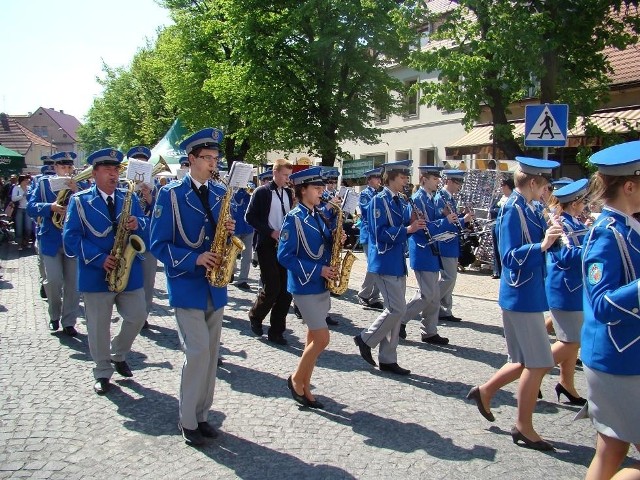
[
  {"x": 280, "y": 164},
  {"x": 521, "y": 179}
]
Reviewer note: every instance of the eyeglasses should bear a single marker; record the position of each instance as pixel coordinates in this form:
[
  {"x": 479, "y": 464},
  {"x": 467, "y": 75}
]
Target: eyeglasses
[{"x": 209, "y": 158}]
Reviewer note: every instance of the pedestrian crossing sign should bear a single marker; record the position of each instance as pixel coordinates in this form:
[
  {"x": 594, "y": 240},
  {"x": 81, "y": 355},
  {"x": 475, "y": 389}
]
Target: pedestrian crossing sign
[{"x": 546, "y": 125}]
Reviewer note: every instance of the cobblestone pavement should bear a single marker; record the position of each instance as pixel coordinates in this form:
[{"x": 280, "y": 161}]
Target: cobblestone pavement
[{"x": 375, "y": 425}]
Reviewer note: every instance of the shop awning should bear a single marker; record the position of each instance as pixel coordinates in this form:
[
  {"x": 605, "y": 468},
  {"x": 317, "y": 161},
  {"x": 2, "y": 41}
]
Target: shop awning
[{"x": 609, "y": 121}]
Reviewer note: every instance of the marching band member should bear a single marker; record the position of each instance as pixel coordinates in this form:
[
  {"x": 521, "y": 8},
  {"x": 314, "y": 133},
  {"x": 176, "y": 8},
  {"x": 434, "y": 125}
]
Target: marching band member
[
  {"x": 47, "y": 169},
  {"x": 265, "y": 177},
  {"x": 267, "y": 208},
  {"x": 523, "y": 240},
  {"x": 330, "y": 176},
  {"x": 611, "y": 331},
  {"x": 507, "y": 186},
  {"x": 182, "y": 230},
  {"x": 60, "y": 270},
  {"x": 146, "y": 195},
  {"x": 244, "y": 232},
  {"x": 390, "y": 222},
  {"x": 564, "y": 286},
  {"x": 89, "y": 233},
  {"x": 449, "y": 249},
  {"x": 424, "y": 258},
  {"x": 305, "y": 251},
  {"x": 369, "y": 294}
]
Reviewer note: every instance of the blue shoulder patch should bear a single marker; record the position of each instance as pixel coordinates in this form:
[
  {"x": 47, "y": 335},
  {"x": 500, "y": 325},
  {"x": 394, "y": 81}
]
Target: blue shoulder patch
[{"x": 594, "y": 273}]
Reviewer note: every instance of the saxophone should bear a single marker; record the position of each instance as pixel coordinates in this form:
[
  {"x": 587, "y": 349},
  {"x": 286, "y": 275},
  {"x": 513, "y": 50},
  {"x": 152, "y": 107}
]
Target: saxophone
[
  {"x": 125, "y": 247},
  {"x": 226, "y": 245},
  {"x": 342, "y": 265}
]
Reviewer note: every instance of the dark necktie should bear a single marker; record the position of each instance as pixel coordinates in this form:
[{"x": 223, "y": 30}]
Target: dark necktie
[
  {"x": 397, "y": 200},
  {"x": 203, "y": 194},
  {"x": 112, "y": 210}
]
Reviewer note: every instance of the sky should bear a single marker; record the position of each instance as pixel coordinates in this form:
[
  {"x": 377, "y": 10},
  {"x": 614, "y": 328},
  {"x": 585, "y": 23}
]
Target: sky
[{"x": 52, "y": 50}]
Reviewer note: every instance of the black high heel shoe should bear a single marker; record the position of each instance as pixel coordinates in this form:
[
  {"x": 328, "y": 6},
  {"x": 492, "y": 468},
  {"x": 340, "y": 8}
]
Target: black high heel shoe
[
  {"x": 301, "y": 399},
  {"x": 560, "y": 390},
  {"x": 474, "y": 394},
  {"x": 541, "y": 445}
]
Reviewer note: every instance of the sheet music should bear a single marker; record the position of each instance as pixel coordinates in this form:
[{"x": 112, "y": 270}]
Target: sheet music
[
  {"x": 350, "y": 201},
  {"x": 239, "y": 175},
  {"x": 342, "y": 191},
  {"x": 444, "y": 237},
  {"x": 58, "y": 183},
  {"x": 139, "y": 171}
]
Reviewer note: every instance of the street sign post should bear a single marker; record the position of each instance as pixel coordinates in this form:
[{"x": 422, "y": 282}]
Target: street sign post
[{"x": 546, "y": 125}]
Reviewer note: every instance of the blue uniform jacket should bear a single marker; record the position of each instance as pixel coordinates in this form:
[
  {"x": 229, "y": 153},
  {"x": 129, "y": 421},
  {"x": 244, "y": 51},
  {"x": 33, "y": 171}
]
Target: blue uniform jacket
[
  {"x": 564, "y": 269},
  {"x": 421, "y": 255},
  {"x": 89, "y": 235},
  {"x": 304, "y": 247},
  {"x": 239, "y": 205},
  {"x": 365, "y": 199},
  {"x": 523, "y": 262},
  {"x": 451, "y": 247},
  {"x": 180, "y": 232},
  {"x": 611, "y": 329},
  {"x": 49, "y": 236},
  {"x": 388, "y": 223}
]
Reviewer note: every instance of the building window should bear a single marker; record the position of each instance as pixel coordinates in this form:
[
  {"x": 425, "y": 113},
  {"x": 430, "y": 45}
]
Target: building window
[
  {"x": 41, "y": 131},
  {"x": 411, "y": 98},
  {"x": 403, "y": 155},
  {"x": 380, "y": 117},
  {"x": 424, "y": 34},
  {"x": 427, "y": 156}
]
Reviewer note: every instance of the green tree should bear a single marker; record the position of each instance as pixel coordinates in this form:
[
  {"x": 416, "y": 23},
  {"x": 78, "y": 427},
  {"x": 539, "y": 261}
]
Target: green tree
[
  {"x": 320, "y": 68},
  {"x": 131, "y": 110},
  {"x": 492, "y": 52}
]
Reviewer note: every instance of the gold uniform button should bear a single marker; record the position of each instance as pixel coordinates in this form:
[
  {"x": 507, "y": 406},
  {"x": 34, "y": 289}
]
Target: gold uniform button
[{"x": 635, "y": 310}]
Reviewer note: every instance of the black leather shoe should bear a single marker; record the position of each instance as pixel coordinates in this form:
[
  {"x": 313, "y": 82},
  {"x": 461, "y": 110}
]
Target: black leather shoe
[
  {"x": 54, "y": 325},
  {"x": 101, "y": 386},
  {"x": 331, "y": 321},
  {"x": 403, "y": 331},
  {"x": 297, "y": 312},
  {"x": 365, "y": 350},
  {"x": 71, "y": 331},
  {"x": 206, "y": 430},
  {"x": 474, "y": 394},
  {"x": 301, "y": 399},
  {"x": 256, "y": 328},
  {"x": 43, "y": 292},
  {"x": 377, "y": 305},
  {"x": 244, "y": 286},
  {"x": 277, "y": 339},
  {"x": 394, "y": 368},
  {"x": 315, "y": 404},
  {"x": 122, "y": 368},
  {"x": 435, "y": 340},
  {"x": 450, "y": 318},
  {"x": 541, "y": 445},
  {"x": 192, "y": 437}
]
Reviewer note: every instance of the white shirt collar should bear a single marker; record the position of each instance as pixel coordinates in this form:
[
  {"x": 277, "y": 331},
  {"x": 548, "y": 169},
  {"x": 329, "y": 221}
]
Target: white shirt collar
[
  {"x": 106, "y": 195},
  {"x": 196, "y": 183}
]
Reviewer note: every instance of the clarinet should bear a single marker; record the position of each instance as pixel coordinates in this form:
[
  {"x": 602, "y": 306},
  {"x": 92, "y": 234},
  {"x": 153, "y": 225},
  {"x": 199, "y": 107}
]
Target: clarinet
[
  {"x": 451, "y": 210},
  {"x": 421, "y": 215}
]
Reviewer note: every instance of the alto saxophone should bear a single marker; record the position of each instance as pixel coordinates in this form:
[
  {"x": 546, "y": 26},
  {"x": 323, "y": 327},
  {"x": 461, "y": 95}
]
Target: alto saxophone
[
  {"x": 226, "y": 245},
  {"x": 341, "y": 265},
  {"x": 125, "y": 247}
]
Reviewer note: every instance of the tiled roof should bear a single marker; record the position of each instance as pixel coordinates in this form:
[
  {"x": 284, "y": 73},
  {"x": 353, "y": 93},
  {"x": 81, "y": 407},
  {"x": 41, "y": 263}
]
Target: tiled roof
[
  {"x": 441, "y": 6},
  {"x": 18, "y": 138},
  {"x": 626, "y": 65},
  {"x": 67, "y": 122}
]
